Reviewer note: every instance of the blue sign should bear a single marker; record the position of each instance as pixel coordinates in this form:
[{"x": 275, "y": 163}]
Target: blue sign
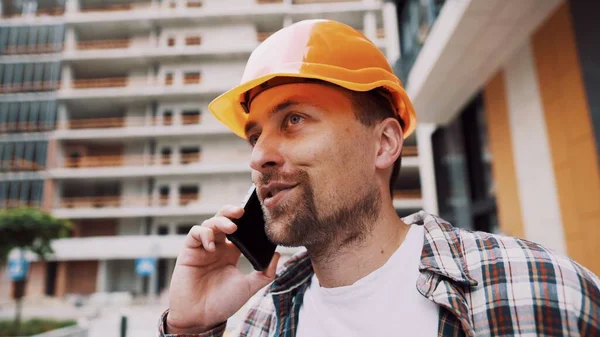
[
  {"x": 145, "y": 266},
  {"x": 17, "y": 269}
]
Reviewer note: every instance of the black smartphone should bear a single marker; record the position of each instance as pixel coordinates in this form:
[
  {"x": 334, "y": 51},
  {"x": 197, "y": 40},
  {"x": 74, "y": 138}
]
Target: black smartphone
[{"x": 250, "y": 237}]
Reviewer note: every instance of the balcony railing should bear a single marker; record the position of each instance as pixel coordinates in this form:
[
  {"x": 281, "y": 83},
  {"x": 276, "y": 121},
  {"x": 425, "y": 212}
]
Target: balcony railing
[
  {"x": 33, "y": 49},
  {"x": 25, "y": 127},
  {"x": 121, "y": 122},
  {"x": 109, "y": 82},
  {"x": 263, "y": 2},
  {"x": 188, "y": 198},
  {"x": 123, "y": 201},
  {"x": 29, "y": 87},
  {"x": 410, "y": 151},
  {"x": 261, "y": 36},
  {"x": 302, "y": 2},
  {"x": 108, "y": 161},
  {"x": 19, "y": 164},
  {"x": 55, "y": 11},
  {"x": 187, "y": 158},
  {"x": 117, "y": 7},
  {"x": 103, "y": 44}
]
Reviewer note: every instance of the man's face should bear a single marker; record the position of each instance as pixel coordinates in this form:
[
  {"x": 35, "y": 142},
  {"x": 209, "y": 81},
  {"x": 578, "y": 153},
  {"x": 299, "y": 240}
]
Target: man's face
[{"x": 313, "y": 165}]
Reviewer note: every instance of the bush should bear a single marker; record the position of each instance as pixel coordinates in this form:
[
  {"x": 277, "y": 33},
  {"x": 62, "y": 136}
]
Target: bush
[{"x": 32, "y": 327}]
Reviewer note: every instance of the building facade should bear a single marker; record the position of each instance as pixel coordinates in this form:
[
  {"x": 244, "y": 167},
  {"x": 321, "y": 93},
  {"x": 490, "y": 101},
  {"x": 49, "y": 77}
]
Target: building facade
[
  {"x": 509, "y": 137},
  {"x": 103, "y": 110}
]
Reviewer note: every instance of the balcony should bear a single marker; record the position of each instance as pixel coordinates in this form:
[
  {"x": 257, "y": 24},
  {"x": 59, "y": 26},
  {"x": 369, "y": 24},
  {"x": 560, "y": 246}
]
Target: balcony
[
  {"x": 32, "y": 49},
  {"x": 97, "y": 207},
  {"x": 407, "y": 199},
  {"x": 115, "y": 7},
  {"x": 19, "y": 165},
  {"x": 24, "y": 87},
  {"x": 109, "y": 82},
  {"x": 103, "y": 44},
  {"x": 303, "y": 2}
]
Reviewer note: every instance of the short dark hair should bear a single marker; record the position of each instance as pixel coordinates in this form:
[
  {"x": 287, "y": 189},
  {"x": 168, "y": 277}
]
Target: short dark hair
[{"x": 371, "y": 107}]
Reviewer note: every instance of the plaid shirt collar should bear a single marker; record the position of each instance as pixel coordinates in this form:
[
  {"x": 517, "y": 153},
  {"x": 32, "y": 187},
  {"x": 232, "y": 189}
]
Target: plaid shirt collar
[{"x": 442, "y": 261}]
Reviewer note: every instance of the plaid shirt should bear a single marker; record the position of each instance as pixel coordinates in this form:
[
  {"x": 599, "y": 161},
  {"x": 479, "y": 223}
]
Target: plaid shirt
[{"x": 484, "y": 284}]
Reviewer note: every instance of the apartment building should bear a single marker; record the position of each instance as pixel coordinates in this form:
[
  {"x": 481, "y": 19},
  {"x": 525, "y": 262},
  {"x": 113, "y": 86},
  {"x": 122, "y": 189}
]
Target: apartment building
[
  {"x": 509, "y": 137},
  {"x": 103, "y": 110}
]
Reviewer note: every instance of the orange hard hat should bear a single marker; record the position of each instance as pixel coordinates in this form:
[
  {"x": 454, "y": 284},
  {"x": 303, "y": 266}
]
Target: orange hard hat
[{"x": 320, "y": 50}]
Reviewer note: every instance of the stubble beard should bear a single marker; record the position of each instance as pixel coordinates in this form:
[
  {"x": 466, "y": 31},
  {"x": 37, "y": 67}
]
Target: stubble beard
[{"x": 297, "y": 222}]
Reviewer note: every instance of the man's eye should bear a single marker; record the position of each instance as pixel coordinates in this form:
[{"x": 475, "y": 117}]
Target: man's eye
[
  {"x": 295, "y": 119},
  {"x": 253, "y": 139}
]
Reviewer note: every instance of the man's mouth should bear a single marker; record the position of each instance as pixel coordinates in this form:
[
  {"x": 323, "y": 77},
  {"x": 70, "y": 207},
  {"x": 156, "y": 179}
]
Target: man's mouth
[{"x": 274, "y": 193}]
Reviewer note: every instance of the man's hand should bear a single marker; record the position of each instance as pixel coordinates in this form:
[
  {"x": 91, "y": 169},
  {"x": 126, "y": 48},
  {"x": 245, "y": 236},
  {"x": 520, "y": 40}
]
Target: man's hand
[{"x": 207, "y": 287}]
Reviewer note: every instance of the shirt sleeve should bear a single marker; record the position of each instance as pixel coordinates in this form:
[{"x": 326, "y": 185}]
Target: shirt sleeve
[{"x": 217, "y": 331}]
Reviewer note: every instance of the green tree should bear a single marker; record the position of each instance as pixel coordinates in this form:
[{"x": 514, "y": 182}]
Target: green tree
[{"x": 29, "y": 229}]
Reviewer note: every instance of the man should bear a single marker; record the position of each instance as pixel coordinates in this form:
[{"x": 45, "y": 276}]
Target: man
[{"x": 326, "y": 119}]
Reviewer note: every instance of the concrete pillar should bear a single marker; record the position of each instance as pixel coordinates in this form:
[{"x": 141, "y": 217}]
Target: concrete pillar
[
  {"x": 70, "y": 39},
  {"x": 101, "y": 276},
  {"x": 390, "y": 25},
  {"x": 426, "y": 167},
  {"x": 174, "y": 195},
  {"x": 62, "y": 116},
  {"x": 61, "y": 279},
  {"x": 370, "y": 26},
  {"x": 72, "y": 6},
  {"x": 66, "y": 77}
]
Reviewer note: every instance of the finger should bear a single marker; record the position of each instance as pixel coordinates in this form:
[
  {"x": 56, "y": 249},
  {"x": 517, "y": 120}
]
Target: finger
[
  {"x": 220, "y": 226},
  {"x": 258, "y": 279},
  {"x": 230, "y": 211},
  {"x": 200, "y": 236}
]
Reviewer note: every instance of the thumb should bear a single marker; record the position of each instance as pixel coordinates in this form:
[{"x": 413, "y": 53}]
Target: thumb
[{"x": 258, "y": 279}]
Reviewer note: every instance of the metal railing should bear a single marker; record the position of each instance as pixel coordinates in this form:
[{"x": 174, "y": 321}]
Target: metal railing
[
  {"x": 111, "y": 201},
  {"x": 188, "y": 158},
  {"x": 109, "y": 82},
  {"x": 32, "y": 49},
  {"x": 29, "y": 86},
  {"x": 121, "y": 122},
  {"x": 19, "y": 164},
  {"x": 103, "y": 44},
  {"x": 128, "y": 6},
  {"x": 90, "y": 161},
  {"x": 25, "y": 126},
  {"x": 410, "y": 151}
]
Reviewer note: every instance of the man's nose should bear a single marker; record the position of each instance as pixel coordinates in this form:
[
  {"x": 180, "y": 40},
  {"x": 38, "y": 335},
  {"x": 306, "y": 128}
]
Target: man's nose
[{"x": 265, "y": 155}]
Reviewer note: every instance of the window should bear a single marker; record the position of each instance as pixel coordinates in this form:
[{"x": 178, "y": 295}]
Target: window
[
  {"x": 168, "y": 117},
  {"x": 194, "y": 4},
  {"x": 193, "y": 41},
  {"x": 191, "y": 77},
  {"x": 190, "y": 117},
  {"x": 165, "y": 156},
  {"x": 168, "y": 78},
  {"x": 163, "y": 230},
  {"x": 462, "y": 163},
  {"x": 188, "y": 194},
  {"x": 184, "y": 229},
  {"x": 163, "y": 195},
  {"x": 170, "y": 41},
  {"x": 190, "y": 154}
]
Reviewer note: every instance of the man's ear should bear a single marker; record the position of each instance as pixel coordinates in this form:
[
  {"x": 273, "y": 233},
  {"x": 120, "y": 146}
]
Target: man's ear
[{"x": 390, "y": 138}]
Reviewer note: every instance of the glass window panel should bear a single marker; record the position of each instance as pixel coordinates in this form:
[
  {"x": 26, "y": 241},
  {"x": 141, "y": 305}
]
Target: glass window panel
[
  {"x": 3, "y": 38},
  {"x": 7, "y": 156},
  {"x": 3, "y": 191},
  {"x": 18, "y": 73},
  {"x": 54, "y": 71},
  {"x": 13, "y": 36},
  {"x": 28, "y": 73},
  {"x": 59, "y": 37},
  {"x": 3, "y": 116},
  {"x": 1, "y": 153},
  {"x": 2, "y": 66},
  {"x": 32, "y": 36},
  {"x": 8, "y": 74},
  {"x": 23, "y": 115},
  {"x": 13, "y": 194},
  {"x": 29, "y": 151},
  {"x": 37, "y": 190},
  {"x": 22, "y": 41},
  {"x": 24, "y": 195},
  {"x": 38, "y": 72},
  {"x": 43, "y": 36},
  {"x": 13, "y": 113},
  {"x": 19, "y": 149},
  {"x": 34, "y": 118},
  {"x": 40, "y": 153},
  {"x": 51, "y": 110}
]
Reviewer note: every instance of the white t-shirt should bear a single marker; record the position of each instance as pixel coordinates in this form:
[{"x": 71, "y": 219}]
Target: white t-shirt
[{"x": 383, "y": 303}]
